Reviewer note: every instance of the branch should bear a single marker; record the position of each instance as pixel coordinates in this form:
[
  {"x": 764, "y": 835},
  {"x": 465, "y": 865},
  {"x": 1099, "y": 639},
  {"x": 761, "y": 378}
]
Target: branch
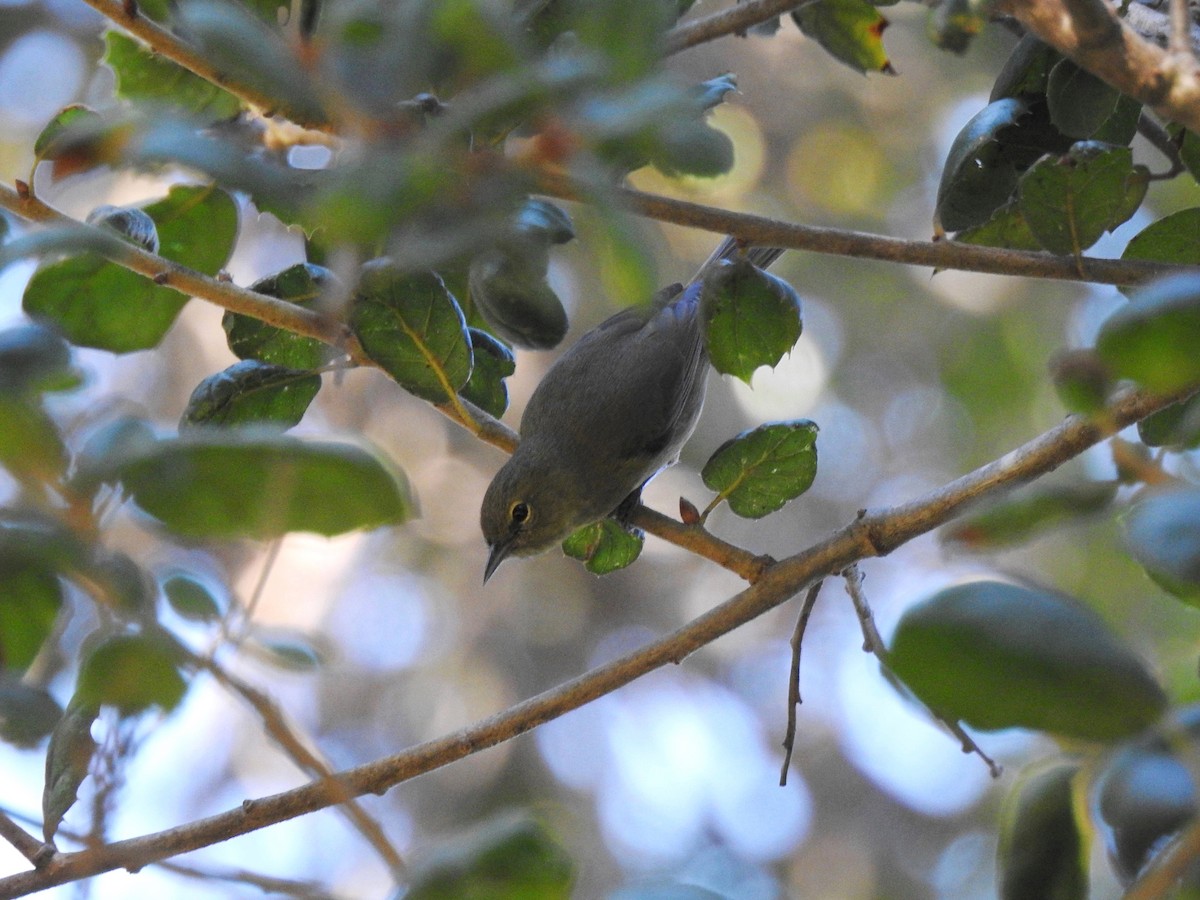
[
  {"x": 25, "y": 843},
  {"x": 734, "y": 20},
  {"x": 1090, "y": 34},
  {"x": 873, "y": 533},
  {"x": 167, "y": 44},
  {"x": 761, "y": 231}
]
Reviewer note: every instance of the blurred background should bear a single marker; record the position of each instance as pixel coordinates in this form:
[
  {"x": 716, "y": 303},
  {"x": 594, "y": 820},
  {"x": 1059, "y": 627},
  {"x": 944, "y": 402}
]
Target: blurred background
[{"x": 914, "y": 378}]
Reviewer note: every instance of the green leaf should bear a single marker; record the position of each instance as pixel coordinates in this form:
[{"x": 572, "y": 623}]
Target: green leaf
[
  {"x": 979, "y": 177},
  {"x": 693, "y": 148},
  {"x": 850, "y": 30},
  {"x": 1026, "y": 72},
  {"x": 998, "y": 655},
  {"x": 122, "y": 582},
  {"x": 1176, "y": 426},
  {"x": 492, "y": 362},
  {"x": 251, "y": 338},
  {"x": 751, "y": 318},
  {"x": 1172, "y": 239},
  {"x": 32, "y": 358},
  {"x": 31, "y": 447},
  {"x": 30, "y": 600},
  {"x": 1153, "y": 339},
  {"x": 1121, "y": 127},
  {"x": 252, "y": 392},
  {"x": 218, "y": 484},
  {"x": 507, "y": 858},
  {"x": 1043, "y": 850},
  {"x": 1070, "y": 201},
  {"x": 62, "y": 130},
  {"x": 514, "y": 298},
  {"x": 289, "y": 651},
  {"x": 1163, "y": 534},
  {"x": 131, "y": 672},
  {"x": 1019, "y": 519},
  {"x": 27, "y": 714},
  {"x": 146, "y": 77},
  {"x": 1006, "y": 228},
  {"x": 107, "y": 448},
  {"x": 604, "y": 546},
  {"x": 95, "y": 303},
  {"x": 67, "y": 760},
  {"x": 1079, "y": 101},
  {"x": 1081, "y": 380},
  {"x": 954, "y": 24},
  {"x": 191, "y": 598},
  {"x": 411, "y": 325},
  {"x": 760, "y": 470},
  {"x": 1189, "y": 148}
]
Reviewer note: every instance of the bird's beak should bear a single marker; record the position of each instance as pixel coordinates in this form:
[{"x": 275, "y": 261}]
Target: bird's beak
[{"x": 499, "y": 552}]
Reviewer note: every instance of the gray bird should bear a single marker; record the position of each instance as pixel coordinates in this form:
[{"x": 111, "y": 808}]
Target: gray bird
[{"x": 613, "y": 411}]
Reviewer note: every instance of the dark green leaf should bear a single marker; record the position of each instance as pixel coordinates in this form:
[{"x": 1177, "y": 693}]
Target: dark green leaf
[
  {"x": 1177, "y": 426},
  {"x": 850, "y": 30},
  {"x": 1153, "y": 339},
  {"x": 998, "y": 655},
  {"x": 34, "y": 540},
  {"x": 30, "y": 445},
  {"x": 410, "y": 324},
  {"x": 62, "y": 129},
  {"x": 1006, "y": 228},
  {"x": 760, "y": 470},
  {"x": 693, "y": 148},
  {"x": 1172, "y": 239},
  {"x": 1189, "y": 148},
  {"x": 131, "y": 672},
  {"x": 512, "y": 295},
  {"x": 507, "y": 858},
  {"x": 1070, "y": 201},
  {"x": 1018, "y": 519},
  {"x": 1082, "y": 381},
  {"x": 95, "y": 303},
  {"x": 252, "y": 392},
  {"x": 32, "y": 358},
  {"x": 146, "y": 77},
  {"x": 978, "y": 177},
  {"x": 1042, "y": 847},
  {"x": 492, "y": 362},
  {"x": 604, "y": 546},
  {"x": 27, "y": 714},
  {"x": 129, "y": 222},
  {"x": 1026, "y": 71},
  {"x": 226, "y": 484},
  {"x": 1163, "y": 534},
  {"x": 1079, "y": 101},
  {"x": 751, "y": 318},
  {"x": 251, "y": 338},
  {"x": 107, "y": 448},
  {"x": 292, "y": 652},
  {"x": 30, "y": 599},
  {"x": 1121, "y": 127},
  {"x": 67, "y": 760},
  {"x": 191, "y": 598}
]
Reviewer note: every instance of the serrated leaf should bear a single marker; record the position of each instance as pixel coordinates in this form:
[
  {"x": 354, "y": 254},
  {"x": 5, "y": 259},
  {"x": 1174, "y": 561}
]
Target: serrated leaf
[
  {"x": 760, "y": 470},
  {"x": 30, "y": 599},
  {"x": 143, "y": 76},
  {"x": 751, "y": 318},
  {"x": 251, "y": 338},
  {"x": 67, "y": 760},
  {"x": 1019, "y": 519},
  {"x": 249, "y": 393},
  {"x": 492, "y": 362},
  {"x": 191, "y": 598},
  {"x": 1153, "y": 338},
  {"x": 95, "y": 303},
  {"x": 998, "y": 655},
  {"x": 1070, "y": 201},
  {"x": 27, "y": 713},
  {"x": 413, "y": 328},
  {"x": 32, "y": 358},
  {"x": 132, "y": 673},
  {"x": 1163, "y": 534},
  {"x": 1079, "y": 101},
  {"x": 604, "y": 546},
  {"x": 850, "y": 30},
  {"x": 1043, "y": 852},
  {"x": 227, "y": 484},
  {"x": 1176, "y": 426}
]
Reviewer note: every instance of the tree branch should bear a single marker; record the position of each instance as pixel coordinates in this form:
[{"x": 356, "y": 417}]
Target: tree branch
[
  {"x": 1090, "y": 34},
  {"x": 734, "y": 20},
  {"x": 873, "y": 533},
  {"x": 761, "y": 231}
]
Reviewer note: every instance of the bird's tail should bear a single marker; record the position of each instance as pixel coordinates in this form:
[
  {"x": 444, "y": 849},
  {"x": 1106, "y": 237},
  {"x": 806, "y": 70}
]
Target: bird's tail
[{"x": 729, "y": 248}]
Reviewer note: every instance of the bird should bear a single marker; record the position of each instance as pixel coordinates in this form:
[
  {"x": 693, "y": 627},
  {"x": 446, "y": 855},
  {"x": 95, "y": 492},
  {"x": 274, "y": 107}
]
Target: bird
[{"x": 609, "y": 414}]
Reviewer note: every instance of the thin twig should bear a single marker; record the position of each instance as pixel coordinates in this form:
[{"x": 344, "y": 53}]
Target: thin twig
[
  {"x": 764, "y": 232},
  {"x": 873, "y": 533},
  {"x": 1165, "y": 144},
  {"x": 734, "y": 20},
  {"x": 789, "y": 738}
]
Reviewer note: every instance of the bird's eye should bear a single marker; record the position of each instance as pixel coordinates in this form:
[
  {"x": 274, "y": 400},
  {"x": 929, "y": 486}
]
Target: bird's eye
[{"x": 519, "y": 513}]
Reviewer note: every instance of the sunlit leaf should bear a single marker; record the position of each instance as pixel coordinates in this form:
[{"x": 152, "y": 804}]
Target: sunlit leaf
[
  {"x": 131, "y": 672},
  {"x": 143, "y": 76},
  {"x": 850, "y": 30},
  {"x": 751, "y": 318},
  {"x": 1153, "y": 338},
  {"x": 760, "y": 470},
  {"x": 604, "y": 546},
  {"x": 252, "y": 392},
  {"x": 211, "y": 483},
  {"x": 410, "y": 324},
  {"x": 998, "y": 655},
  {"x": 1043, "y": 850}
]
